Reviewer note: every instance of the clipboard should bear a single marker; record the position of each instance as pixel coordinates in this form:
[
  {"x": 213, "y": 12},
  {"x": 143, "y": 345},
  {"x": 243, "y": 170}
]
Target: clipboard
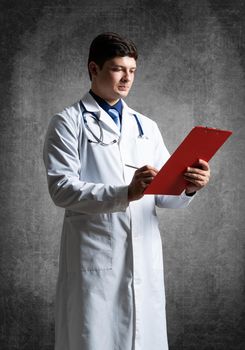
[{"x": 201, "y": 143}]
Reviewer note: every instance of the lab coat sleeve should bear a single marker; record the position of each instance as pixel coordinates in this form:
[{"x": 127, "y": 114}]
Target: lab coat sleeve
[
  {"x": 62, "y": 162},
  {"x": 162, "y": 155}
]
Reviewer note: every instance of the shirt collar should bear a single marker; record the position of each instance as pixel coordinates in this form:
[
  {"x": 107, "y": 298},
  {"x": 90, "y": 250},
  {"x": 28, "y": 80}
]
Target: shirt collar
[{"x": 104, "y": 105}]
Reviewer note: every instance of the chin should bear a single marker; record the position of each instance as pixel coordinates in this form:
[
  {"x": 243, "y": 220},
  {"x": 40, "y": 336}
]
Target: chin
[{"x": 123, "y": 93}]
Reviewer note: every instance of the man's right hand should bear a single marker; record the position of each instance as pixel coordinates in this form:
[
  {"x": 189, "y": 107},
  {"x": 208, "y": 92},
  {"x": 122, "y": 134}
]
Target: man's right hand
[{"x": 141, "y": 179}]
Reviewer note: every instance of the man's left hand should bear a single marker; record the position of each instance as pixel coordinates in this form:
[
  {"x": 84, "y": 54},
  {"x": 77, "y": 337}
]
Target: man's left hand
[{"x": 197, "y": 176}]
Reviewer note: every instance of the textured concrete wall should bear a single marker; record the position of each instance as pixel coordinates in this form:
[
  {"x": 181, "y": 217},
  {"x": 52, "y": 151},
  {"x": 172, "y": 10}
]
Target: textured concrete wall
[{"x": 191, "y": 71}]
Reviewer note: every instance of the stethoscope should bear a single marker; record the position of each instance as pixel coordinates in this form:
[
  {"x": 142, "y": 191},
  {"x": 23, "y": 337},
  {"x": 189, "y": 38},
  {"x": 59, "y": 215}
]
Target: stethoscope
[{"x": 100, "y": 139}]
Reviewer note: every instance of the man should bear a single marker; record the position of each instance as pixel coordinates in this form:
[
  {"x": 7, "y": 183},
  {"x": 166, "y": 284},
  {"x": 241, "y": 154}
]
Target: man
[{"x": 110, "y": 290}]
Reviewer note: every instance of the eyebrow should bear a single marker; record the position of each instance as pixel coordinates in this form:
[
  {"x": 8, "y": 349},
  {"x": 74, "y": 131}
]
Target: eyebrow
[{"x": 120, "y": 66}]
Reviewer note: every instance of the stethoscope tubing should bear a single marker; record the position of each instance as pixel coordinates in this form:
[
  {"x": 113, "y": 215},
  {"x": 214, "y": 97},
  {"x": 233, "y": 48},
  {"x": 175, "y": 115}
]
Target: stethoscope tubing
[{"x": 100, "y": 139}]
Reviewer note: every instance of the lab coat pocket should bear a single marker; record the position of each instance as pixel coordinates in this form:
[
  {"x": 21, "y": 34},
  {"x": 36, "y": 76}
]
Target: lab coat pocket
[{"x": 92, "y": 235}]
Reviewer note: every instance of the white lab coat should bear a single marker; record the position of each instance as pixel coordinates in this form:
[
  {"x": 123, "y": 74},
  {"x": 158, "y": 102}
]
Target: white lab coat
[{"x": 110, "y": 289}]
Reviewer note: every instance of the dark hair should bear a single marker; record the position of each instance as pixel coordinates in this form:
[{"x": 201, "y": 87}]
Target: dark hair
[{"x": 109, "y": 45}]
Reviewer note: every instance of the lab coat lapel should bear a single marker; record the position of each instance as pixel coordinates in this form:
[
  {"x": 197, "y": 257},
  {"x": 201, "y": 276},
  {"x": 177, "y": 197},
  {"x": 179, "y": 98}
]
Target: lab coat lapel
[
  {"x": 92, "y": 106},
  {"x": 129, "y": 127},
  {"x": 105, "y": 118}
]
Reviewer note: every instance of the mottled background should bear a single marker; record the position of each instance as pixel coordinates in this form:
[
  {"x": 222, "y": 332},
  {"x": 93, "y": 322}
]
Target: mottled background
[{"x": 191, "y": 71}]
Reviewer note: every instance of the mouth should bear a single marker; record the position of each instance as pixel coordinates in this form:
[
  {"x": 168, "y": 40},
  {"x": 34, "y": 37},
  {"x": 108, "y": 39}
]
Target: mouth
[{"x": 123, "y": 87}]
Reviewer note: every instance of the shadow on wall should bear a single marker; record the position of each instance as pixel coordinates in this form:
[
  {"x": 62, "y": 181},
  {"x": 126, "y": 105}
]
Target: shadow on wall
[{"x": 25, "y": 326}]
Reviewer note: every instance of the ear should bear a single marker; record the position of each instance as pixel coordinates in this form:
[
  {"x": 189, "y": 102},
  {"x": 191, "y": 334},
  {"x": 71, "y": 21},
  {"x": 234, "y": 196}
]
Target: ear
[{"x": 93, "y": 68}]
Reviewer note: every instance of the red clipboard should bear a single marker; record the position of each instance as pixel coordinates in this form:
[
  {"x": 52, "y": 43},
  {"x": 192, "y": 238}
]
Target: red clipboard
[{"x": 201, "y": 143}]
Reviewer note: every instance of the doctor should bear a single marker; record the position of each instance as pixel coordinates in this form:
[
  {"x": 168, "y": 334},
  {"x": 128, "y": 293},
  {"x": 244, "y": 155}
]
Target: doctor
[{"x": 110, "y": 289}]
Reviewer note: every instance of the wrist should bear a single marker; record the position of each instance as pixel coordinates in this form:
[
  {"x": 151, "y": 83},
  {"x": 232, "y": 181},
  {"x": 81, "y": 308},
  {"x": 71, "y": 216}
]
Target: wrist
[{"x": 130, "y": 194}]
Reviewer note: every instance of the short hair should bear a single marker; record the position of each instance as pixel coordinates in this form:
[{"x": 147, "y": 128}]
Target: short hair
[{"x": 109, "y": 45}]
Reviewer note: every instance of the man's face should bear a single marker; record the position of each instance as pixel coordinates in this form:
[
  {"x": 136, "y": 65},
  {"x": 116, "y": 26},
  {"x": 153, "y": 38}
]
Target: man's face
[{"x": 115, "y": 78}]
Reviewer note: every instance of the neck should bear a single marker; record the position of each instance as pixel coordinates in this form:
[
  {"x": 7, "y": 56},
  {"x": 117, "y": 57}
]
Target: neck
[{"x": 110, "y": 101}]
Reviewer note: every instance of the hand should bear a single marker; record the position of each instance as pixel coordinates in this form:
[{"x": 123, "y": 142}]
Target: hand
[
  {"x": 197, "y": 176},
  {"x": 141, "y": 179}
]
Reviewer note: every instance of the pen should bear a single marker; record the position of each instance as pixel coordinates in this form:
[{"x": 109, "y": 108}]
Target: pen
[{"x": 131, "y": 166}]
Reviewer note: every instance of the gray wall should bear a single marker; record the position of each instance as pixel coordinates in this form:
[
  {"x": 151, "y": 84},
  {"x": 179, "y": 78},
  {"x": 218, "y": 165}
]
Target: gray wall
[{"x": 191, "y": 72}]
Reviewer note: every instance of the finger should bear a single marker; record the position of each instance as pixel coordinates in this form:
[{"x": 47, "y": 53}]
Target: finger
[
  {"x": 199, "y": 167},
  {"x": 146, "y": 174},
  {"x": 196, "y": 183},
  {"x": 147, "y": 180},
  {"x": 191, "y": 170},
  {"x": 205, "y": 173},
  {"x": 204, "y": 165},
  {"x": 197, "y": 177},
  {"x": 200, "y": 182},
  {"x": 146, "y": 168},
  {"x": 143, "y": 184}
]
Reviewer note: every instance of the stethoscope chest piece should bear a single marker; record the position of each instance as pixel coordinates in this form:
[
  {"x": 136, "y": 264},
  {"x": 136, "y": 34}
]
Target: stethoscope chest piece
[{"x": 93, "y": 126}]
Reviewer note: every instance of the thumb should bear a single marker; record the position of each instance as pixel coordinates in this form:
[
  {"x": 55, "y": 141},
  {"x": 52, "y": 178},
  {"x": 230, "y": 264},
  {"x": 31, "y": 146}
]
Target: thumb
[{"x": 204, "y": 165}]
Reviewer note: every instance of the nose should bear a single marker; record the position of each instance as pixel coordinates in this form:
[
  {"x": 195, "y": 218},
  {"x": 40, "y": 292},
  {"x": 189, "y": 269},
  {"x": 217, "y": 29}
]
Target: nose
[{"x": 126, "y": 77}]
